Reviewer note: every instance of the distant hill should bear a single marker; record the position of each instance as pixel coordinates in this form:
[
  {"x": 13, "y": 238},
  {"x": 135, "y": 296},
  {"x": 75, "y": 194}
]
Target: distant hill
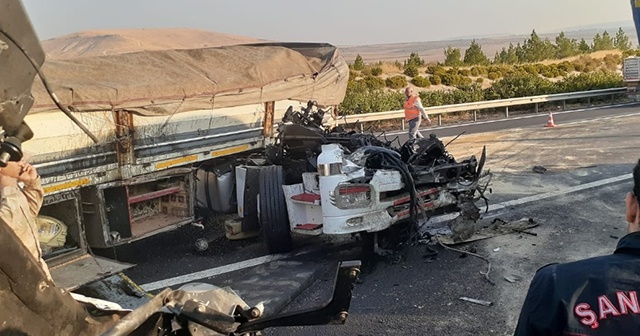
[{"x": 109, "y": 42}]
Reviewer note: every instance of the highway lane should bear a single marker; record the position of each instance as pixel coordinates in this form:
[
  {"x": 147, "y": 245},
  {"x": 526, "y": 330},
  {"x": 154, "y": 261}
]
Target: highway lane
[{"x": 521, "y": 121}]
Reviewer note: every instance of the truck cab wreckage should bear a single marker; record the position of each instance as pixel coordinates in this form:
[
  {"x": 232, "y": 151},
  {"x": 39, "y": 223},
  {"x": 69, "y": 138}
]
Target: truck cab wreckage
[{"x": 325, "y": 180}]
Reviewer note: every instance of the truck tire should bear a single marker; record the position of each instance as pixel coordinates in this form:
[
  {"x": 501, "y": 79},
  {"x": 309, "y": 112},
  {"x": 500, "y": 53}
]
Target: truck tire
[{"x": 274, "y": 219}]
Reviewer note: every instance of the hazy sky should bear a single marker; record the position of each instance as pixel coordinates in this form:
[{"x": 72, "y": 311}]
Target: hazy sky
[{"x": 334, "y": 21}]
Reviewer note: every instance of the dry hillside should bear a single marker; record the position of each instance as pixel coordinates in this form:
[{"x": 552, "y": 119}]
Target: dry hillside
[{"x": 109, "y": 42}]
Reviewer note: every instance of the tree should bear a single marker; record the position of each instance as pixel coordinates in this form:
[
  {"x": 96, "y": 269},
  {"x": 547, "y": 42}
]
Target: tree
[
  {"x": 499, "y": 56},
  {"x": 603, "y": 42},
  {"x": 520, "y": 53},
  {"x": 535, "y": 49},
  {"x": 453, "y": 57},
  {"x": 584, "y": 47},
  {"x": 597, "y": 42},
  {"x": 512, "y": 55},
  {"x": 566, "y": 47},
  {"x": 607, "y": 41},
  {"x": 621, "y": 41},
  {"x": 414, "y": 60},
  {"x": 474, "y": 55},
  {"x": 358, "y": 64}
]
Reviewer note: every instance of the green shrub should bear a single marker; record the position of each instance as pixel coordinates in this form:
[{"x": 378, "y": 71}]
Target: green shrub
[
  {"x": 479, "y": 80},
  {"x": 566, "y": 66},
  {"x": 420, "y": 81},
  {"x": 519, "y": 85},
  {"x": 411, "y": 71},
  {"x": 590, "y": 81},
  {"x": 455, "y": 80},
  {"x": 494, "y": 75},
  {"x": 479, "y": 71},
  {"x": 376, "y": 71},
  {"x": 373, "y": 82},
  {"x": 436, "y": 70},
  {"x": 367, "y": 95},
  {"x": 396, "y": 82},
  {"x": 529, "y": 68},
  {"x": 360, "y": 99},
  {"x": 612, "y": 61}
]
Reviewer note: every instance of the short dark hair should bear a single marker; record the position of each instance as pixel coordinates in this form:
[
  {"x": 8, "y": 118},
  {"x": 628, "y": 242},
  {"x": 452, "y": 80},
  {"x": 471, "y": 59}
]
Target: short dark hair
[{"x": 636, "y": 180}]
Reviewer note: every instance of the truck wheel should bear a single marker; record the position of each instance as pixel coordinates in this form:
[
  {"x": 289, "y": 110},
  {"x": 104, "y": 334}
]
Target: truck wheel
[{"x": 273, "y": 211}]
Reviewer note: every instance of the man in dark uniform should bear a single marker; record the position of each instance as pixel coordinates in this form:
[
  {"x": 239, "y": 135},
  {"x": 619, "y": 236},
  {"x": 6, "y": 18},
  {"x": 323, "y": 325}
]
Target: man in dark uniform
[{"x": 596, "y": 296}]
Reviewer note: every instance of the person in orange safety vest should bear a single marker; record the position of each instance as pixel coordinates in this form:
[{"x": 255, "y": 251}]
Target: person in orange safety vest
[{"x": 414, "y": 113}]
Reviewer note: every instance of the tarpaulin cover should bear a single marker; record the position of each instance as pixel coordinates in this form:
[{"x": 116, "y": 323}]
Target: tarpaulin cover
[{"x": 173, "y": 81}]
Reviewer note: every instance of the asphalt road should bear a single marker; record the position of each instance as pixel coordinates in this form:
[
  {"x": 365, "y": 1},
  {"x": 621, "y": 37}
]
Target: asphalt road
[
  {"x": 420, "y": 293},
  {"x": 519, "y": 121}
]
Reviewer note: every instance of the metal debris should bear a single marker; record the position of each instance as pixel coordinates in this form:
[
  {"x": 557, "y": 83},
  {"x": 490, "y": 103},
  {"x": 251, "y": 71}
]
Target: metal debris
[
  {"x": 539, "y": 169},
  {"x": 512, "y": 278},
  {"x": 476, "y": 301}
]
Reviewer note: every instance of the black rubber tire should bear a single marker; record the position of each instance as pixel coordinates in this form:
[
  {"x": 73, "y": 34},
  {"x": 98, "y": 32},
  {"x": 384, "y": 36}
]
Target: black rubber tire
[{"x": 273, "y": 211}]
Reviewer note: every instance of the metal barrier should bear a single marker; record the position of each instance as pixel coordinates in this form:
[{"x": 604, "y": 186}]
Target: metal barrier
[{"x": 487, "y": 104}]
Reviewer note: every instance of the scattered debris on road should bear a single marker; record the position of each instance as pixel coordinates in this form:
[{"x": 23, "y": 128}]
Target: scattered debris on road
[
  {"x": 497, "y": 227},
  {"x": 486, "y": 274},
  {"x": 512, "y": 278},
  {"x": 539, "y": 169},
  {"x": 476, "y": 301}
]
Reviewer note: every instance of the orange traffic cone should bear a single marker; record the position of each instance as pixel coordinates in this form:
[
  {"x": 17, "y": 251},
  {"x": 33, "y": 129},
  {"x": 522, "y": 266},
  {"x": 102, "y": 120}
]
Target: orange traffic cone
[{"x": 550, "y": 122}]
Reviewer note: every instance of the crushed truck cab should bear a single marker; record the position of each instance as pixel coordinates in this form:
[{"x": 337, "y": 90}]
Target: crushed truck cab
[
  {"x": 342, "y": 199},
  {"x": 316, "y": 179}
]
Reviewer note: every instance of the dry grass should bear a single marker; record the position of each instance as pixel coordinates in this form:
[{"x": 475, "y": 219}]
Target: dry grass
[{"x": 389, "y": 68}]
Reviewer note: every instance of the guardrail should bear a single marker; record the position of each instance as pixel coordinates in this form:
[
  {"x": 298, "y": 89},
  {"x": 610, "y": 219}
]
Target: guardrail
[{"x": 487, "y": 104}]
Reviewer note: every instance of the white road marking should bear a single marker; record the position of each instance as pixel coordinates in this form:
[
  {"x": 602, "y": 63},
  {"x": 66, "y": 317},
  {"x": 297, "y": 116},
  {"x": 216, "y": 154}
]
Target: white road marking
[
  {"x": 435, "y": 220},
  {"x": 601, "y": 118},
  {"x": 541, "y": 114},
  {"x": 560, "y": 192},
  {"x": 529, "y": 199},
  {"x": 161, "y": 284}
]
